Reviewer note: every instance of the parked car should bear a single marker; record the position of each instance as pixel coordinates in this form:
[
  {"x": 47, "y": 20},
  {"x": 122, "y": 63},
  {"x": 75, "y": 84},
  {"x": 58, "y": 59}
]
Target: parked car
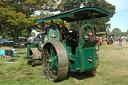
[
  {"x": 8, "y": 43},
  {"x": 5, "y": 42},
  {"x": 23, "y": 41}
]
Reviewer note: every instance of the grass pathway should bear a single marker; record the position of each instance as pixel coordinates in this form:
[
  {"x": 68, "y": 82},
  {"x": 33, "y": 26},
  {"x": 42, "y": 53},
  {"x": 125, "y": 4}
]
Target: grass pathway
[{"x": 112, "y": 70}]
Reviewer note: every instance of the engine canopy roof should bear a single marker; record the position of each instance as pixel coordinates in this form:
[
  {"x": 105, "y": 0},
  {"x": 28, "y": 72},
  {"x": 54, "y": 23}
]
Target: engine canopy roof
[{"x": 76, "y": 14}]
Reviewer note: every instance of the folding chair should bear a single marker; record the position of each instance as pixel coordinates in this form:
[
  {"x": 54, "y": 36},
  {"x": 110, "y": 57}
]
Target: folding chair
[
  {"x": 2, "y": 53},
  {"x": 8, "y": 53}
]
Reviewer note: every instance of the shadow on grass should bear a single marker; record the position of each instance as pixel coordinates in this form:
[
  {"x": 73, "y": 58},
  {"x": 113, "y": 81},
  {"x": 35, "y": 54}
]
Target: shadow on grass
[
  {"x": 20, "y": 55},
  {"x": 12, "y": 60},
  {"x": 120, "y": 49},
  {"x": 79, "y": 76},
  {"x": 125, "y": 47}
]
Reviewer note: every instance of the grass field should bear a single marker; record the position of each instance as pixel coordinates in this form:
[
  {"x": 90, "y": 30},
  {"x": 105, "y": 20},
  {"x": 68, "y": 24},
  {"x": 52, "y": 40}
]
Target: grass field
[{"x": 112, "y": 70}]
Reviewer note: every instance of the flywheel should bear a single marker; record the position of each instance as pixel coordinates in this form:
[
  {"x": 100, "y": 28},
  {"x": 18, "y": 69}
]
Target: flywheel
[{"x": 54, "y": 60}]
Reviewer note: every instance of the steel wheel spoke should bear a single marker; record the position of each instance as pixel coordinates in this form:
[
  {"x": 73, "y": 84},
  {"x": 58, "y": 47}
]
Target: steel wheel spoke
[
  {"x": 56, "y": 64},
  {"x": 51, "y": 50},
  {"x": 55, "y": 72},
  {"x": 52, "y": 60},
  {"x": 55, "y": 58}
]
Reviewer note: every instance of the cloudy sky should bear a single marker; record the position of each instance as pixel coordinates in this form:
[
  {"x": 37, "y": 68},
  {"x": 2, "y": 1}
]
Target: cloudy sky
[{"x": 120, "y": 19}]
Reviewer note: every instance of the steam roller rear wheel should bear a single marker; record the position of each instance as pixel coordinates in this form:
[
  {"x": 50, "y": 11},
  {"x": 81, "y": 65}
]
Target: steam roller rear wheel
[{"x": 54, "y": 60}]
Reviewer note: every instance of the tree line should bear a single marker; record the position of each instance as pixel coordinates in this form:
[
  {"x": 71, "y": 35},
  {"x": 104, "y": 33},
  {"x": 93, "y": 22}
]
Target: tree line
[
  {"x": 118, "y": 32},
  {"x": 17, "y": 17}
]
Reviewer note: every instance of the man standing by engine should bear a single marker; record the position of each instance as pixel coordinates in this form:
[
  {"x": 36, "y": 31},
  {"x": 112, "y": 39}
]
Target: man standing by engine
[{"x": 120, "y": 43}]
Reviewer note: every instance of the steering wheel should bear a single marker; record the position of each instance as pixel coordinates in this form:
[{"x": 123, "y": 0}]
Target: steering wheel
[
  {"x": 85, "y": 36},
  {"x": 84, "y": 33}
]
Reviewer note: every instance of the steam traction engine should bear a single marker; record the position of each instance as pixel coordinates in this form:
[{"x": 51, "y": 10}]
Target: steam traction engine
[{"x": 64, "y": 51}]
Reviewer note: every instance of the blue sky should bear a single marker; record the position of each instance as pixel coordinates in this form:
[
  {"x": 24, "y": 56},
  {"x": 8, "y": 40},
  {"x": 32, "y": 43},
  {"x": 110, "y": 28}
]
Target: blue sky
[{"x": 120, "y": 19}]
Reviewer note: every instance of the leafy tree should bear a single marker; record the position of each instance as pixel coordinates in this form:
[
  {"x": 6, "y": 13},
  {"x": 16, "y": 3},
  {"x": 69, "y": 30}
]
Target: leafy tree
[
  {"x": 116, "y": 31},
  {"x": 127, "y": 32},
  {"x": 3, "y": 19},
  {"x": 101, "y": 24},
  {"x": 16, "y": 21},
  {"x": 70, "y": 4},
  {"x": 16, "y": 15},
  {"x": 28, "y": 7},
  {"x": 123, "y": 33},
  {"x": 108, "y": 31}
]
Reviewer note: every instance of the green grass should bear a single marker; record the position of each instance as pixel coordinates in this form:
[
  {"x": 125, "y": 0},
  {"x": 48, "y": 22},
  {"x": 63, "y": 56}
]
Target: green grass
[{"x": 112, "y": 70}]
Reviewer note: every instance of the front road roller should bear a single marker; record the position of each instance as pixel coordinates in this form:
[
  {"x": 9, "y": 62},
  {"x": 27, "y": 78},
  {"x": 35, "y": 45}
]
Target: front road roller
[{"x": 54, "y": 60}]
